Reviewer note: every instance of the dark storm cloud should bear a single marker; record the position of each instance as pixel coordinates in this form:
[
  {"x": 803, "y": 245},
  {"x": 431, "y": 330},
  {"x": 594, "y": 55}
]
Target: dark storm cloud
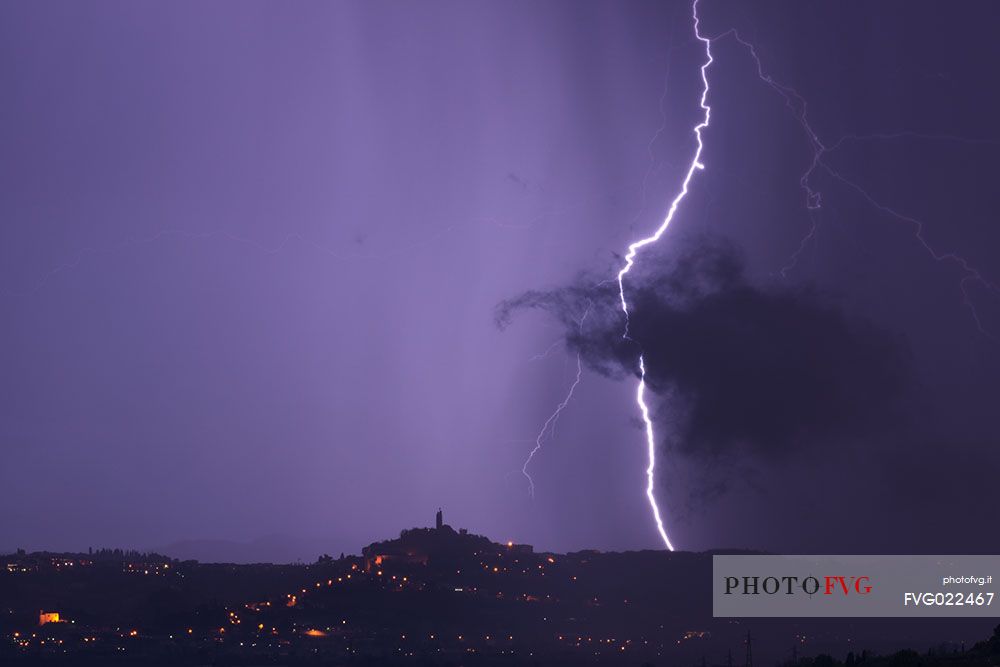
[{"x": 738, "y": 366}]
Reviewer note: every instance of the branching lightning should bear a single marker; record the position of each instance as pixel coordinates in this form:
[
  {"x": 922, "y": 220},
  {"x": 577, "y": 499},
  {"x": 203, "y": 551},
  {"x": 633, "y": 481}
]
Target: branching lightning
[
  {"x": 630, "y": 257},
  {"x": 813, "y": 197},
  {"x": 798, "y": 106},
  {"x": 544, "y": 354},
  {"x": 549, "y": 427}
]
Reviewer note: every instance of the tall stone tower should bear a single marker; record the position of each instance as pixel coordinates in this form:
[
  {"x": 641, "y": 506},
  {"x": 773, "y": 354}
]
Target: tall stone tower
[{"x": 439, "y": 519}]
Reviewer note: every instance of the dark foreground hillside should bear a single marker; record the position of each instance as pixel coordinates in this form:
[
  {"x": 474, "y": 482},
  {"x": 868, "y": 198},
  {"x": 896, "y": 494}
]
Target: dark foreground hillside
[{"x": 434, "y": 596}]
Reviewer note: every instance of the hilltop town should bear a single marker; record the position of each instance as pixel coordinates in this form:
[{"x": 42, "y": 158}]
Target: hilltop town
[{"x": 431, "y": 596}]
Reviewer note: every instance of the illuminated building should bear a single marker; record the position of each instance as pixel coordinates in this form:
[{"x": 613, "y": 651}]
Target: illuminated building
[{"x": 48, "y": 617}]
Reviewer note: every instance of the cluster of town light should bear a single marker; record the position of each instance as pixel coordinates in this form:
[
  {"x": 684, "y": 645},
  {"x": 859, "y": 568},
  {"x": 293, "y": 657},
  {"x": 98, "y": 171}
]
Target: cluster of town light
[{"x": 503, "y": 564}]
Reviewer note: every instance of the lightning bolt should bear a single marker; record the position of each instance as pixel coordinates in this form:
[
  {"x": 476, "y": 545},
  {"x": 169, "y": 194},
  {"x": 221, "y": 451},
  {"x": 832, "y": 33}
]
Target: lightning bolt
[
  {"x": 548, "y": 429},
  {"x": 630, "y": 257},
  {"x": 798, "y": 106},
  {"x": 544, "y": 354}
]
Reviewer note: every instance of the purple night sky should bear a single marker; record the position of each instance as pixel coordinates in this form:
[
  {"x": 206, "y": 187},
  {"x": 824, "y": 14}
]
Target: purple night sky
[{"x": 251, "y": 256}]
